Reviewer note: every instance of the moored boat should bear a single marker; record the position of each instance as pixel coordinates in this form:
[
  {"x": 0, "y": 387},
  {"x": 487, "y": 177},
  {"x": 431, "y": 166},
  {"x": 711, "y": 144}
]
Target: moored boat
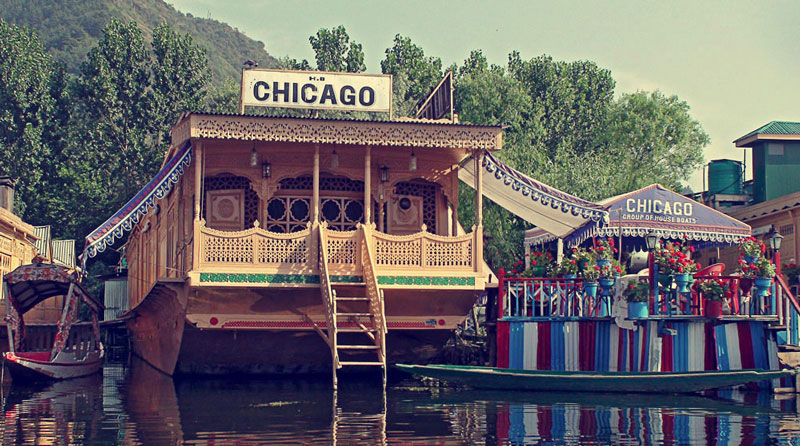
[
  {"x": 582, "y": 381},
  {"x": 76, "y": 349}
]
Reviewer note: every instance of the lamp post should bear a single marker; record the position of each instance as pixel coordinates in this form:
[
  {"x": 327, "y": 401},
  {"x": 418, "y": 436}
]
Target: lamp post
[
  {"x": 651, "y": 240},
  {"x": 775, "y": 241}
]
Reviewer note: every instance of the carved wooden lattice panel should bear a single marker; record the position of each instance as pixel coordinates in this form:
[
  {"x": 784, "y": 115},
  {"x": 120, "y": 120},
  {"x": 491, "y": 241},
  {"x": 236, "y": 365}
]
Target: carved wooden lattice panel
[
  {"x": 282, "y": 251},
  {"x": 398, "y": 253},
  {"x": 428, "y": 194},
  {"x": 287, "y": 214},
  {"x": 230, "y": 182},
  {"x": 228, "y": 250},
  {"x": 448, "y": 254},
  {"x": 341, "y": 251}
]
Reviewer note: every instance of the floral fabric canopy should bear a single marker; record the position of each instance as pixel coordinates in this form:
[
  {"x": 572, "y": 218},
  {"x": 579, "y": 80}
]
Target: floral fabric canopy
[
  {"x": 556, "y": 212},
  {"x": 125, "y": 218},
  {"x": 30, "y": 284}
]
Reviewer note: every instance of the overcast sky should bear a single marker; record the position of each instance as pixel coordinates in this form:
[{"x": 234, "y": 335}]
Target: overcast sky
[{"x": 736, "y": 63}]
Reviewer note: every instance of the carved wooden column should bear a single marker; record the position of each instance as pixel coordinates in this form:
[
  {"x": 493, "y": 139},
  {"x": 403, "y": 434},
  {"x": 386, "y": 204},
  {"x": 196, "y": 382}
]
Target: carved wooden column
[
  {"x": 367, "y": 187},
  {"x": 315, "y": 196},
  {"x": 479, "y": 211},
  {"x": 198, "y": 193}
]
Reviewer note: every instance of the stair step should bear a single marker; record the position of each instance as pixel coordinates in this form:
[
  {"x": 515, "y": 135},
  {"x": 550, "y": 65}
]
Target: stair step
[
  {"x": 355, "y": 330},
  {"x": 354, "y": 314},
  {"x": 358, "y": 347},
  {"x": 375, "y": 363},
  {"x": 360, "y": 299},
  {"x": 776, "y": 327}
]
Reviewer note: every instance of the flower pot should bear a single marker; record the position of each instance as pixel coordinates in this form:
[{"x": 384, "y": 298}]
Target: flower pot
[
  {"x": 605, "y": 286},
  {"x": 582, "y": 265},
  {"x": 665, "y": 280},
  {"x": 602, "y": 263},
  {"x": 761, "y": 286},
  {"x": 638, "y": 309},
  {"x": 682, "y": 281},
  {"x": 590, "y": 289},
  {"x": 568, "y": 277},
  {"x": 745, "y": 284},
  {"x": 713, "y": 309},
  {"x": 750, "y": 259}
]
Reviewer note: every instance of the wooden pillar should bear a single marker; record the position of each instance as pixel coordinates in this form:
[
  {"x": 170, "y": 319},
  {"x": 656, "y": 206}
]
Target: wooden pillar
[
  {"x": 198, "y": 180},
  {"x": 315, "y": 198},
  {"x": 367, "y": 187},
  {"x": 479, "y": 212}
]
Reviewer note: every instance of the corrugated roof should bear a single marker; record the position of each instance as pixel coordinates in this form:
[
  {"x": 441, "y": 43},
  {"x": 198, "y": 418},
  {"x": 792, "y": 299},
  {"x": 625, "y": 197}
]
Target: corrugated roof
[
  {"x": 395, "y": 120},
  {"x": 774, "y": 128},
  {"x": 43, "y": 244},
  {"x": 64, "y": 252}
]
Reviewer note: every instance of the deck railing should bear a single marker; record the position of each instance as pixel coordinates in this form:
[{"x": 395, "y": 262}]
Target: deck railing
[{"x": 257, "y": 248}]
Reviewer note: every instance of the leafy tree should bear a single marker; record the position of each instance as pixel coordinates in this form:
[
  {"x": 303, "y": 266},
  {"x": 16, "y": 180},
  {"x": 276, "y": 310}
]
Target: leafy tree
[
  {"x": 335, "y": 52},
  {"x": 653, "y": 139},
  {"x": 414, "y": 75},
  {"x": 26, "y": 106}
]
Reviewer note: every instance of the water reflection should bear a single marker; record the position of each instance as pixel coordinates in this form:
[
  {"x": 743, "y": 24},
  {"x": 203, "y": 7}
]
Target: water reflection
[{"x": 137, "y": 405}]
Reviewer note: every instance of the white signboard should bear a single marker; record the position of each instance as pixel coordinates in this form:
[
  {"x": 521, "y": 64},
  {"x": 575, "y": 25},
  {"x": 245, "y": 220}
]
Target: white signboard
[{"x": 317, "y": 89}]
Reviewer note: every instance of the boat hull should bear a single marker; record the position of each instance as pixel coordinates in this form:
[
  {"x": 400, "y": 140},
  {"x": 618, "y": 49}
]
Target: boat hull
[
  {"x": 643, "y": 382},
  {"x": 64, "y": 366}
]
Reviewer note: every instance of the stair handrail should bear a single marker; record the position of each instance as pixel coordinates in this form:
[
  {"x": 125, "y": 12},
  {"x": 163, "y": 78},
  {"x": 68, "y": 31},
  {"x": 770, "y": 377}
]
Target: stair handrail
[
  {"x": 327, "y": 295},
  {"x": 374, "y": 293},
  {"x": 785, "y": 292}
]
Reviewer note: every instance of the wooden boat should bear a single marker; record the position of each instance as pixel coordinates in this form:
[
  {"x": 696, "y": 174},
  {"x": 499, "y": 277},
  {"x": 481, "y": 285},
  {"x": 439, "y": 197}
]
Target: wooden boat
[
  {"x": 555, "y": 381},
  {"x": 76, "y": 348}
]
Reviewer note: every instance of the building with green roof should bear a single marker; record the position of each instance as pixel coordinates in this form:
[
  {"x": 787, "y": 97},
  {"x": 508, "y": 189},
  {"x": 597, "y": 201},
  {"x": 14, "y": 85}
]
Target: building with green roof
[{"x": 776, "y": 159}]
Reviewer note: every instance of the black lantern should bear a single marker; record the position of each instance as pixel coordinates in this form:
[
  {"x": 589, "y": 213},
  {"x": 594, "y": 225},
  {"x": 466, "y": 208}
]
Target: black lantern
[
  {"x": 412, "y": 163},
  {"x": 253, "y": 157},
  {"x": 266, "y": 169},
  {"x": 775, "y": 240},
  {"x": 651, "y": 239},
  {"x": 384, "y": 174}
]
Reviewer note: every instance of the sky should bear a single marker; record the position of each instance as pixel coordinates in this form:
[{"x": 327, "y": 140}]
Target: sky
[{"x": 736, "y": 63}]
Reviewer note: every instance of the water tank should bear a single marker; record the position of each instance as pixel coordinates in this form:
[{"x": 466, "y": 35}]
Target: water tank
[{"x": 725, "y": 177}]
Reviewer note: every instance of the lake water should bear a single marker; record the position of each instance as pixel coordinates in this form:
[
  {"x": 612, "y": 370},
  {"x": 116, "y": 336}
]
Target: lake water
[{"x": 133, "y": 405}]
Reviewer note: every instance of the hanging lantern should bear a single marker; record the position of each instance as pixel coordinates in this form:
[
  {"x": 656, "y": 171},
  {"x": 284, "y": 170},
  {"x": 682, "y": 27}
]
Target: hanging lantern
[
  {"x": 253, "y": 157},
  {"x": 412, "y": 163},
  {"x": 334, "y": 160}
]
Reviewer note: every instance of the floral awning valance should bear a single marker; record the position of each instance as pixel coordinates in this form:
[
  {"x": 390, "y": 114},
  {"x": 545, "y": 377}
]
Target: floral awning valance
[{"x": 125, "y": 218}]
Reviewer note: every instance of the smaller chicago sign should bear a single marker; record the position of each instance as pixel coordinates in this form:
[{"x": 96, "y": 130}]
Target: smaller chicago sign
[{"x": 317, "y": 90}]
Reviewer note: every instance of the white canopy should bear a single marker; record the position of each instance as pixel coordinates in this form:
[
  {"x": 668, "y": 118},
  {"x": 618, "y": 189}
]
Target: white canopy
[{"x": 559, "y": 213}]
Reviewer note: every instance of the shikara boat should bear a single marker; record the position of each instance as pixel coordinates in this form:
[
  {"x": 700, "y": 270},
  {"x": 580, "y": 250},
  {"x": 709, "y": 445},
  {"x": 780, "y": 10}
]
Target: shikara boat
[
  {"x": 557, "y": 381},
  {"x": 76, "y": 349}
]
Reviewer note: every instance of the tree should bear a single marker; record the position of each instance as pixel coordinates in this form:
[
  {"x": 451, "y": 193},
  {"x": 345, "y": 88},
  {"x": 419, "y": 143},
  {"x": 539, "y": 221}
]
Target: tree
[
  {"x": 414, "y": 75},
  {"x": 26, "y": 106},
  {"x": 653, "y": 139},
  {"x": 335, "y": 52}
]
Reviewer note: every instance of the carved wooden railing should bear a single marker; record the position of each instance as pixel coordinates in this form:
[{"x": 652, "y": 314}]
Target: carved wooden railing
[
  {"x": 254, "y": 247},
  {"x": 328, "y": 298},
  {"x": 344, "y": 251},
  {"x": 374, "y": 293},
  {"x": 424, "y": 250}
]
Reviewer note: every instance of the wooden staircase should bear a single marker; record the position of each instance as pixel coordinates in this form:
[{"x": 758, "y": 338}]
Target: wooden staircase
[{"x": 355, "y": 319}]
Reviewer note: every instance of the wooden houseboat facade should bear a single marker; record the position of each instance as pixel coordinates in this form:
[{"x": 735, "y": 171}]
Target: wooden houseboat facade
[{"x": 285, "y": 245}]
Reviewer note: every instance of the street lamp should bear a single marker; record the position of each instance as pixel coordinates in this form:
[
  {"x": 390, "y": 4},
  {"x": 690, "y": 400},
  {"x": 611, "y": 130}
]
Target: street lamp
[
  {"x": 775, "y": 241},
  {"x": 651, "y": 239}
]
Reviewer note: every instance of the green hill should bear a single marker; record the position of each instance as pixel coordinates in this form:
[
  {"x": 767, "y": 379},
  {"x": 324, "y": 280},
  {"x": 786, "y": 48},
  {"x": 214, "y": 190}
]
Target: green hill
[{"x": 69, "y": 28}]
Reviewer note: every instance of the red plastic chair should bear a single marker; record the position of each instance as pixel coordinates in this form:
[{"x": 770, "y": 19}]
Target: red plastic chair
[{"x": 711, "y": 270}]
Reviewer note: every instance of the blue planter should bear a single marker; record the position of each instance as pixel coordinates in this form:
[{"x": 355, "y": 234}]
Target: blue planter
[
  {"x": 750, "y": 259},
  {"x": 570, "y": 276},
  {"x": 638, "y": 309},
  {"x": 590, "y": 289},
  {"x": 761, "y": 286},
  {"x": 682, "y": 282},
  {"x": 605, "y": 286},
  {"x": 602, "y": 263}
]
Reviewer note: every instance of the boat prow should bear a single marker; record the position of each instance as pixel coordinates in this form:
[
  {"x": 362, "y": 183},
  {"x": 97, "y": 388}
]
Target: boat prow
[
  {"x": 66, "y": 365},
  {"x": 644, "y": 382}
]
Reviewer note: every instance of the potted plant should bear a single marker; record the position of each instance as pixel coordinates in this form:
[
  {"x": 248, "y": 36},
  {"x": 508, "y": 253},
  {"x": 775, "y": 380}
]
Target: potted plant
[
  {"x": 764, "y": 273},
  {"x": 750, "y": 249},
  {"x": 541, "y": 264},
  {"x": 590, "y": 276},
  {"x": 713, "y": 293},
  {"x": 638, "y": 296},
  {"x": 568, "y": 268},
  {"x": 582, "y": 258},
  {"x": 604, "y": 251}
]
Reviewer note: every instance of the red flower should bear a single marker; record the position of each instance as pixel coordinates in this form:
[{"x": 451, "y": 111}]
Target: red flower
[
  {"x": 597, "y": 267},
  {"x": 513, "y": 271},
  {"x": 611, "y": 242},
  {"x": 616, "y": 250},
  {"x": 571, "y": 261},
  {"x": 680, "y": 269},
  {"x": 501, "y": 271},
  {"x": 600, "y": 248},
  {"x": 519, "y": 262},
  {"x": 527, "y": 255},
  {"x": 533, "y": 262},
  {"x": 699, "y": 266},
  {"x": 691, "y": 249},
  {"x": 574, "y": 250}
]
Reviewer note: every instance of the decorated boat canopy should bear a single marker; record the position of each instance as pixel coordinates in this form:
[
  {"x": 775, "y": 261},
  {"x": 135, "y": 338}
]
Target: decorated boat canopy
[
  {"x": 668, "y": 214},
  {"x": 30, "y": 284},
  {"x": 138, "y": 206},
  {"x": 555, "y": 212}
]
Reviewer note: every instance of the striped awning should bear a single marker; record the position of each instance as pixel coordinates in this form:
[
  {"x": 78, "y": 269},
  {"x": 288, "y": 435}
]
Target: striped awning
[
  {"x": 556, "y": 212},
  {"x": 125, "y": 218}
]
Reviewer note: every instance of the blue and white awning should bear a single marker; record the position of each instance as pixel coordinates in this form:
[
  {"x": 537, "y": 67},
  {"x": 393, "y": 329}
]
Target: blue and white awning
[
  {"x": 559, "y": 213},
  {"x": 124, "y": 219}
]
